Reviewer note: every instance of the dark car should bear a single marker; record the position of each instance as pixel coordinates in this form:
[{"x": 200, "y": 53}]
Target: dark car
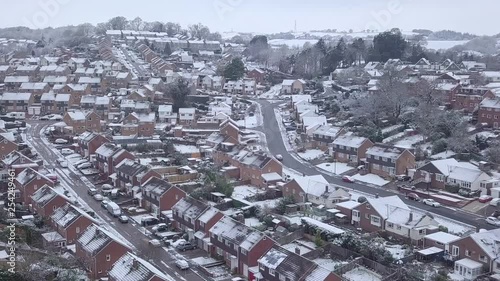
[
  {"x": 185, "y": 246},
  {"x": 147, "y": 221},
  {"x": 413, "y": 196}
]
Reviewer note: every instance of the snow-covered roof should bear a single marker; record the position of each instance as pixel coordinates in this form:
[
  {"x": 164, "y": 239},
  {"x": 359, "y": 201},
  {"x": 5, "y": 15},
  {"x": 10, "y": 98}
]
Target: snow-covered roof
[
  {"x": 300, "y": 98},
  {"x": 323, "y": 226},
  {"x": 63, "y": 97},
  {"x": 132, "y": 268},
  {"x": 16, "y": 96},
  {"x": 490, "y": 103},
  {"x": 327, "y": 130},
  {"x": 106, "y": 150},
  {"x": 273, "y": 258},
  {"x": 76, "y": 115},
  {"x": 442, "y": 237},
  {"x": 33, "y": 86},
  {"x": 349, "y": 205},
  {"x": 64, "y": 216},
  {"x": 208, "y": 215},
  {"x": 189, "y": 207},
  {"x": 95, "y": 238},
  {"x": 454, "y": 169},
  {"x": 314, "y": 185},
  {"x": 16, "y": 79},
  {"x": 55, "y": 79},
  {"x": 89, "y": 80},
  {"x": 237, "y": 233},
  {"x": 350, "y": 141},
  {"x": 385, "y": 151},
  {"x": 45, "y": 194},
  {"x": 144, "y": 117},
  {"x": 53, "y": 236},
  {"x": 385, "y": 205},
  {"x": 50, "y": 96}
]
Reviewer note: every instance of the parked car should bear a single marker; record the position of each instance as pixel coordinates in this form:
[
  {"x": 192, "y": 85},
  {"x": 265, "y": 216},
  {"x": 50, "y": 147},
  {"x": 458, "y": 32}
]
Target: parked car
[
  {"x": 279, "y": 157},
  {"x": 98, "y": 197},
  {"x": 160, "y": 227},
  {"x": 403, "y": 178},
  {"x": 155, "y": 243},
  {"x": 80, "y": 162},
  {"x": 485, "y": 198},
  {"x": 92, "y": 191},
  {"x": 495, "y": 202},
  {"x": 123, "y": 219},
  {"x": 182, "y": 264},
  {"x": 104, "y": 204},
  {"x": 84, "y": 166},
  {"x": 66, "y": 151},
  {"x": 414, "y": 197},
  {"x": 347, "y": 179},
  {"x": 61, "y": 141},
  {"x": 431, "y": 202},
  {"x": 149, "y": 220},
  {"x": 63, "y": 163},
  {"x": 185, "y": 246},
  {"x": 493, "y": 221}
]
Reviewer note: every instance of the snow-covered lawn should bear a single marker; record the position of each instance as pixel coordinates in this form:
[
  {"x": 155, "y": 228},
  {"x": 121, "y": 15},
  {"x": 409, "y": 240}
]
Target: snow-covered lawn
[
  {"x": 335, "y": 168},
  {"x": 186, "y": 149},
  {"x": 409, "y": 142},
  {"x": 248, "y": 122},
  {"x": 252, "y": 222},
  {"x": 311, "y": 154},
  {"x": 371, "y": 178},
  {"x": 362, "y": 274},
  {"x": 272, "y": 93},
  {"x": 203, "y": 260},
  {"x": 244, "y": 191},
  {"x": 396, "y": 251},
  {"x": 329, "y": 263}
]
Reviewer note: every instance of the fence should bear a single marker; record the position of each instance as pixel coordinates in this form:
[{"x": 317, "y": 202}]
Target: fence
[{"x": 291, "y": 237}]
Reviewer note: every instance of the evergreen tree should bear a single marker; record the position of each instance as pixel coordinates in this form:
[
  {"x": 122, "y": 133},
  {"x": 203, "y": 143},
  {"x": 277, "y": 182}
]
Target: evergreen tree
[
  {"x": 235, "y": 70},
  {"x": 168, "y": 50}
]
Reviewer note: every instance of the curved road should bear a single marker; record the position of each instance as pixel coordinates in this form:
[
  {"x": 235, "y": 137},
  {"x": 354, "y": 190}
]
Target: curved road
[{"x": 276, "y": 145}]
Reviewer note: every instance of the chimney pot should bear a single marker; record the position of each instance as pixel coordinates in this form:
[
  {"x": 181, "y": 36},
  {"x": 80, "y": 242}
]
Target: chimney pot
[
  {"x": 326, "y": 188},
  {"x": 297, "y": 250}
]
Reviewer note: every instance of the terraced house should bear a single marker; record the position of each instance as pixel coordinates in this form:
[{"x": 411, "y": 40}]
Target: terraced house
[
  {"x": 46, "y": 200},
  {"x": 70, "y": 222},
  {"x": 159, "y": 195}
]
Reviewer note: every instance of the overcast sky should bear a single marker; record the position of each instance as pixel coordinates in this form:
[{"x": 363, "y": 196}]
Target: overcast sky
[{"x": 266, "y": 16}]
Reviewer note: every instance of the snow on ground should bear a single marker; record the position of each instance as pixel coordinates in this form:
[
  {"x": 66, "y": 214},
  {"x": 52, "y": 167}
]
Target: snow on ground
[
  {"x": 248, "y": 122},
  {"x": 335, "y": 168},
  {"x": 438, "y": 45},
  {"x": 443, "y": 155},
  {"x": 409, "y": 142},
  {"x": 396, "y": 251},
  {"x": 329, "y": 264},
  {"x": 391, "y": 129},
  {"x": 203, "y": 260},
  {"x": 370, "y": 178},
  {"x": 311, "y": 154},
  {"x": 252, "y": 222},
  {"x": 454, "y": 227},
  {"x": 218, "y": 271},
  {"x": 244, "y": 191},
  {"x": 292, "y": 247},
  {"x": 393, "y": 137},
  {"x": 362, "y": 274},
  {"x": 273, "y": 93},
  {"x": 307, "y": 243},
  {"x": 186, "y": 149},
  {"x": 267, "y": 203}
]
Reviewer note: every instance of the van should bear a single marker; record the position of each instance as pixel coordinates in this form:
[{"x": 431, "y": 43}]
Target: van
[{"x": 114, "y": 209}]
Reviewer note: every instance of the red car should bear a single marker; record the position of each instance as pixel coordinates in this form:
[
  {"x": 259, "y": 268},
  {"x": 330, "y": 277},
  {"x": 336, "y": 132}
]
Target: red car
[
  {"x": 347, "y": 179},
  {"x": 485, "y": 198}
]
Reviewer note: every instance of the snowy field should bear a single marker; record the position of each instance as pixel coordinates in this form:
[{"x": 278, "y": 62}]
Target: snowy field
[
  {"x": 362, "y": 274},
  {"x": 335, "y": 168},
  {"x": 311, "y": 154},
  {"x": 409, "y": 142},
  {"x": 292, "y": 43},
  {"x": 438, "y": 45},
  {"x": 371, "y": 179}
]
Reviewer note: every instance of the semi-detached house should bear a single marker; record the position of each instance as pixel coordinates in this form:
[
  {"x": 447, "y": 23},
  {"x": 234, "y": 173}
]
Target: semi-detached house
[
  {"x": 159, "y": 195},
  {"x": 389, "y": 161},
  {"x": 70, "y": 222},
  {"x": 349, "y": 148}
]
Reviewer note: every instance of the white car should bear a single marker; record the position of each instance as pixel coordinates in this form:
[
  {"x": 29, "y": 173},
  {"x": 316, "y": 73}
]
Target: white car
[
  {"x": 56, "y": 117},
  {"x": 155, "y": 243},
  {"x": 66, "y": 151},
  {"x": 182, "y": 264},
  {"x": 81, "y": 162},
  {"x": 61, "y": 141},
  {"x": 84, "y": 166},
  {"x": 98, "y": 197},
  {"x": 279, "y": 157},
  {"x": 431, "y": 202},
  {"x": 495, "y": 201},
  {"x": 493, "y": 221}
]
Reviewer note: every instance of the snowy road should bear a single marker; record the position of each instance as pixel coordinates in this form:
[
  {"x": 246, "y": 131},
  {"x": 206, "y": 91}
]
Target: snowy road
[{"x": 78, "y": 185}]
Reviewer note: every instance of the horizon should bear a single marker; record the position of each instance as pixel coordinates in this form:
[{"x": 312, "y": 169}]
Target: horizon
[{"x": 226, "y": 16}]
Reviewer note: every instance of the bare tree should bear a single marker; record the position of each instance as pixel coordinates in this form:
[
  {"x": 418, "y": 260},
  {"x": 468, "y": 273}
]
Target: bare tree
[
  {"x": 199, "y": 31},
  {"x": 137, "y": 24}
]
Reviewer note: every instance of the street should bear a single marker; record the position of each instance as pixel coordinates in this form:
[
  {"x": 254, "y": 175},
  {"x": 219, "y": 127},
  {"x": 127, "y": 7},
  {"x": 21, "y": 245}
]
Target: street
[
  {"x": 162, "y": 257},
  {"x": 276, "y": 146}
]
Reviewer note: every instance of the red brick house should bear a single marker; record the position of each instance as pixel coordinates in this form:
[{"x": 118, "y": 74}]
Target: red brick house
[
  {"x": 29, "y": 181},
  {"x": 83, "y": 121},
  {"x": 279, "y": 264},
  {"x": 371, "y": 215},
  {"x": 257, "y": 74},
  {"x": 489, "y": 112},
  {"x": 6, "y": 147},
  {"x": 159, "y": 195},
  {"x": 108, "y": 156},
  {"x": 141, "y": 125},
  {"x": 99, "y": 250},
  {"x": 89, "y": 142},
  {"x": 239, "y": 245},
  {"x": 349, "y": 148},
  {"x": 389, "y": 161},
  {"x": 70, "y": 222},
  {"x": 440, "y": 240},
  {"x": 131, "y": 267},
  {"x": 46, "y": 200},
  {"x": 476, "y": 254},
  {"x": 130, "y": 173},
  {"x": 203, "y": 224},
  {"x": 186, "y": 211},
  {"x": 468, "y": 98},
  {"x": 229, "y": 129}
]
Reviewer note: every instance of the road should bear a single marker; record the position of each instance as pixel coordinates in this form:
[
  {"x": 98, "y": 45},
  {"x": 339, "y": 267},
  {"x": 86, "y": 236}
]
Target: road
[
  {"x": 141, "y": 71},
  {"x": 164, "y": 258},
  {"x": 276, "y": 146}
]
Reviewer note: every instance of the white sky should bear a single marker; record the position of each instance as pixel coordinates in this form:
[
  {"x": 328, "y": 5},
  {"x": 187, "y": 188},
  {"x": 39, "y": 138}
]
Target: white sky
[{"x": 266, "y": 16}]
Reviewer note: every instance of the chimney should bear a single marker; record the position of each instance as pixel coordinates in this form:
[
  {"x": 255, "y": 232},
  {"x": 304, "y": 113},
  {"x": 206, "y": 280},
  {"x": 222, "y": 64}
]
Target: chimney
[
  {"x": 297, "y": 250},
  {"x": 376, "y": 195},
  {"x": 135, "y": 264},
  {"x": 326, "y": 188},
  {"x": 410, "y": 217}
]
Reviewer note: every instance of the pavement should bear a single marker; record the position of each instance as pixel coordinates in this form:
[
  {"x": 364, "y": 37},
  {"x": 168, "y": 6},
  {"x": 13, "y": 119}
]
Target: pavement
[
  {"x": 164, "y": 258},
  {"x": 275, "y": 144}
]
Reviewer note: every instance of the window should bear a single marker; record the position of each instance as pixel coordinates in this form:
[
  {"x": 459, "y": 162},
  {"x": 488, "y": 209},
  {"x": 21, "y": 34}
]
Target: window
[
  {"x": 244, "y": 252},
  {"x": 376, "y": 166},
  {"x": 398, "y": 227},
  {"x": 227, "y": 243},
  {"x": 108, "y": 257},
  {"x": 390, "y": 225},
  {"x": 439, "y": 177},
  {"x": 375, "y": 220},
  {"x": 367, "y": 216},
  {"x": 483, "y": 258},
  {"x": 355, "y": 214},
  {"x": 455, "y": 251},
  {"x": 467, "y": 253},
  {"x": 77, "y": 229},
  {"x": 271, "y": 272},
  {"x": 262, "y": 267}
]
